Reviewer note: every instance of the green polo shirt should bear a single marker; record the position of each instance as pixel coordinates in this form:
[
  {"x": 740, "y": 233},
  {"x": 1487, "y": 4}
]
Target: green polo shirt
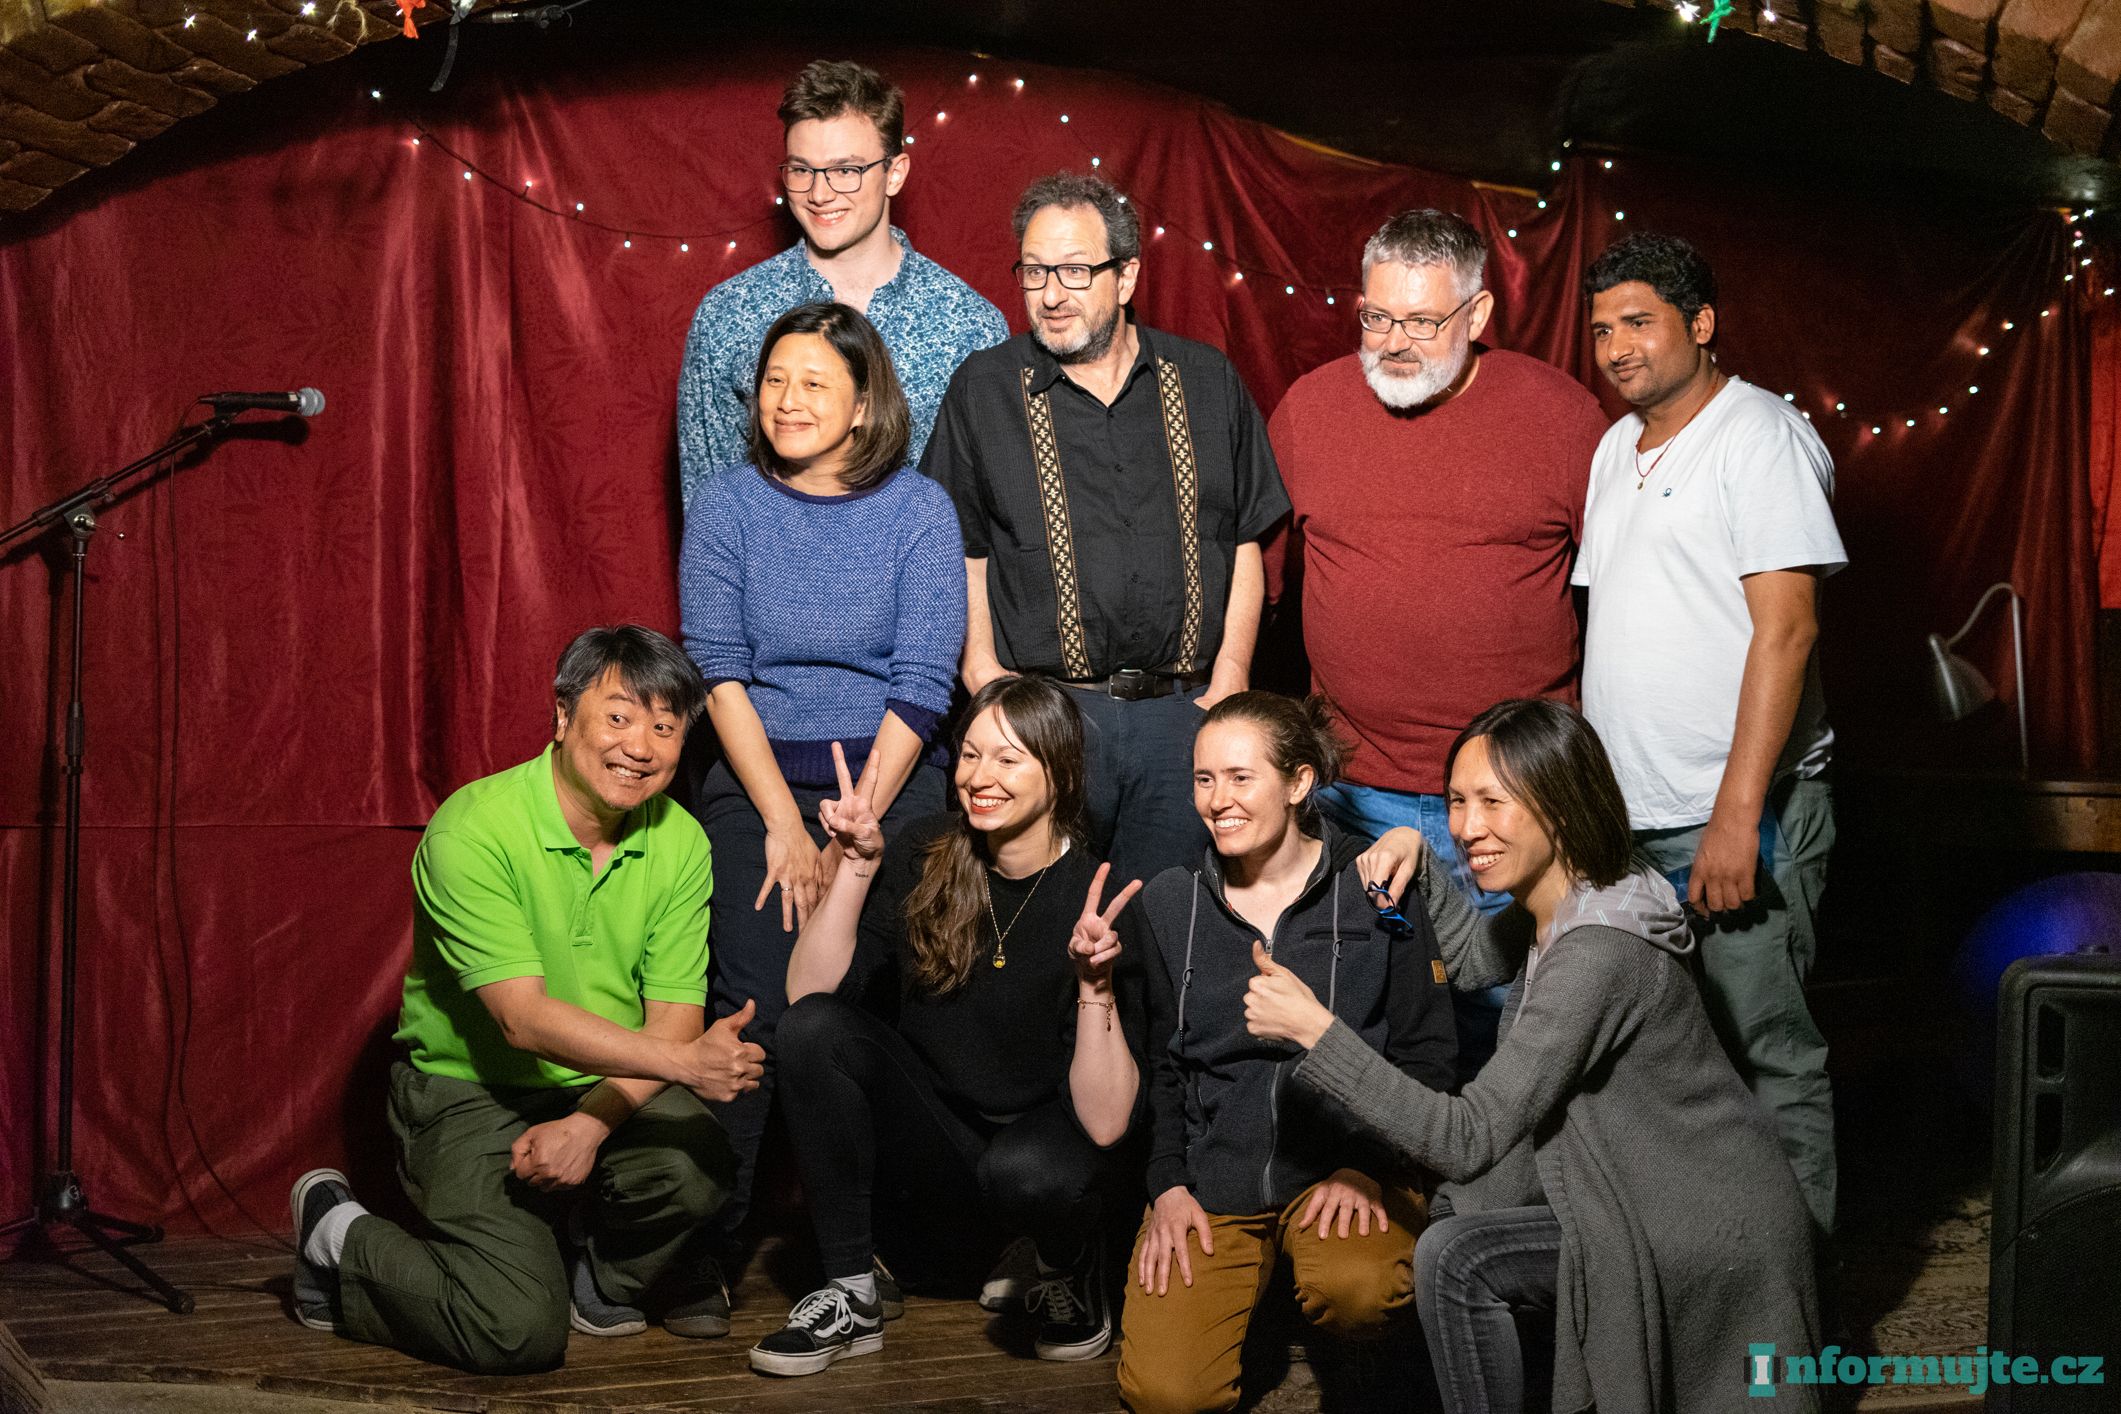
[{"x": 501, "y": 888}]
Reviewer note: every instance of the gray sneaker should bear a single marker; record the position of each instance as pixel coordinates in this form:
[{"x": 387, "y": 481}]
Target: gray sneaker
[
  {"x": 701, "y": 1310},
  {"x": 828, "y": 1325},
  {"x": 316, "y": 1292},
  {"x": 588, "y": 1311}
]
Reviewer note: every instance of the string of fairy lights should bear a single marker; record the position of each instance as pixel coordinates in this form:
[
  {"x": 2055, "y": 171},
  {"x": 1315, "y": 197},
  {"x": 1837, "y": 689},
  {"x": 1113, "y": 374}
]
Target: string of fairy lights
[{"x": 1166, "y": 232}]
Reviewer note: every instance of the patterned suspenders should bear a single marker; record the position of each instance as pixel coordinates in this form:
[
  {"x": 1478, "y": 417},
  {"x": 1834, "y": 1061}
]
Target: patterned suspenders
[{"x": 1060, "y": 534}]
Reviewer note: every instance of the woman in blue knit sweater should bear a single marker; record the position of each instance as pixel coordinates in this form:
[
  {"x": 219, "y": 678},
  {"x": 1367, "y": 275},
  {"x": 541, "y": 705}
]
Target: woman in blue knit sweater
[{"x": 823, "y": 591}]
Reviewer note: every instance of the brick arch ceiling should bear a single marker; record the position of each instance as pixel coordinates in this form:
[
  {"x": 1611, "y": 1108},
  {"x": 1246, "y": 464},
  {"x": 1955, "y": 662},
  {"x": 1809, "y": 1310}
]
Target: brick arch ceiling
[
  {"x": 2051, "y": 65},
  {"x": 84, "y": 81}
]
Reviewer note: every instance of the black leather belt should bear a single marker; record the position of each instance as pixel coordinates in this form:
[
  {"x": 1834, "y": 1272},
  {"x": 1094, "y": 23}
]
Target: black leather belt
[{"x": 1139, "y": 684}]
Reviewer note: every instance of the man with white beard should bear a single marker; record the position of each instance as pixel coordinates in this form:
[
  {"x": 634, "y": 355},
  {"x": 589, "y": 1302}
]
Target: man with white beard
[
  {"x": 1113, "y": 483},
  {"x": 1438, "y": 490}
]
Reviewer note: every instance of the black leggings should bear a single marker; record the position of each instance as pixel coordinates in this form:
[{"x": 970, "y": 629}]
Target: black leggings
[{"x": 864, "y": 1114}]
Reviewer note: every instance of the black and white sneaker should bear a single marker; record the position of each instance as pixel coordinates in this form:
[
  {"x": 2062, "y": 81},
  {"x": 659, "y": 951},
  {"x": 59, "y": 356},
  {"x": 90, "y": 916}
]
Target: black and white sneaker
[
  {"x": 828, "y": 1325},
  {"x": 316, "y": 1291},
  {"x": 1014, "y": 1274},
  {"x": 588, "y": 1311},
  {"x": 1075, "y": 1318}
]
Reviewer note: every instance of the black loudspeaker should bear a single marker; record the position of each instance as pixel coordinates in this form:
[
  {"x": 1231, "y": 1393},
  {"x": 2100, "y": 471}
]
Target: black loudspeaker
[{"x": 2054, "y": 1283}]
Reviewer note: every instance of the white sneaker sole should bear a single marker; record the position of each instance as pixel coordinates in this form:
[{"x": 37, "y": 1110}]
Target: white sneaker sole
[
  {"x": 768, "y": 1362},
  {"x": 1003, "y": 1297},
  {"x": 1079, "y": 1350},
  {"x": 576, "y": 1321}
]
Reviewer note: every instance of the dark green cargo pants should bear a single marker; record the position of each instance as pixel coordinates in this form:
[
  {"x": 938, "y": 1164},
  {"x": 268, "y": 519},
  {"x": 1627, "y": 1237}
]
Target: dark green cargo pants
[{"x": 486, "y": 1287}]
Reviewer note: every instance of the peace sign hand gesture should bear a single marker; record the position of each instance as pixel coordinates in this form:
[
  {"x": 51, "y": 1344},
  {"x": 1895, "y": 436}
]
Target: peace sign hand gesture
[
  {"x": 1094, "y": 946},
  {"x": 851, "y": 819}
]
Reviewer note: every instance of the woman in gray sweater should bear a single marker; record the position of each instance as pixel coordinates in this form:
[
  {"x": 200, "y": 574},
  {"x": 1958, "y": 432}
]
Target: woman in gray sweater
[{"x": 1664, "y": 1229}]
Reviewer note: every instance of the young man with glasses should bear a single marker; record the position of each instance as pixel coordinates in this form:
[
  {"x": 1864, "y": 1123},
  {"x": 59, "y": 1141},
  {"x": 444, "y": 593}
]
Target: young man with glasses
[
  {"x": 843, "y": 161},
  {"x": 1438, "y": 488},
  {"x": 1113, "y": 483}
]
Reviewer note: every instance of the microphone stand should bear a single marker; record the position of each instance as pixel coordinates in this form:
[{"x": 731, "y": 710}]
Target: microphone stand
[{"x": 61, "y": 1198}]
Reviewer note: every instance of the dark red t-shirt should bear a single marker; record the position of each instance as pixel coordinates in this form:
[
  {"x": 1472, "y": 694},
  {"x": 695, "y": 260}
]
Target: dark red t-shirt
[{"x": 1432, "y": 550}]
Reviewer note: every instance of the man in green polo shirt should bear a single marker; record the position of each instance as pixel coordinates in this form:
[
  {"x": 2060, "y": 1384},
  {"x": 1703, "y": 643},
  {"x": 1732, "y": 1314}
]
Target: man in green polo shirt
[{"x": 556, "y": 1053}]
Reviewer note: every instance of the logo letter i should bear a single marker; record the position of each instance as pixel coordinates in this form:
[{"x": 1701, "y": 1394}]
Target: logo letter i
[{"x": 1760, "y": 1364}]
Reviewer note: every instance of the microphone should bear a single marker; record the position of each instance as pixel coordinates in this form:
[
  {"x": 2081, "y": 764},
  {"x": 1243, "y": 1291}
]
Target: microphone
[
  {"x": 305, "y": 402},
  {"x": 539, "y": 15}
]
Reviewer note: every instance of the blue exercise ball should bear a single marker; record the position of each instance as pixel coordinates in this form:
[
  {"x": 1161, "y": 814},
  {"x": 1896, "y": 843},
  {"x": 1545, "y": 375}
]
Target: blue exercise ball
[{"x": 2070, "y": 913}]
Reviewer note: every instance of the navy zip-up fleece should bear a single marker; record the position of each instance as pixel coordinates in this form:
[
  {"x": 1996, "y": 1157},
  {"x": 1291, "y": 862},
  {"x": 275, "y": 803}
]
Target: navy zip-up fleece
[{"x": 1224, "y": 1121}]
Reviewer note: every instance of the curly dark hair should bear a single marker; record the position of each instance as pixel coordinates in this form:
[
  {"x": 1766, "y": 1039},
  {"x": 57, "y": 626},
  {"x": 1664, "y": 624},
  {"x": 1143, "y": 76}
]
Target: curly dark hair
[
  {"x": 1667, "y": 264},
  {"x": 1123, "y": 232}
]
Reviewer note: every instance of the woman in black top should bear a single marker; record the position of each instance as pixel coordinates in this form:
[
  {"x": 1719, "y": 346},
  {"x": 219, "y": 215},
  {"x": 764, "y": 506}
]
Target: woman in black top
[
  {"x": 963, "y": 1027},
  {"x": 1243, "y": 1166}
]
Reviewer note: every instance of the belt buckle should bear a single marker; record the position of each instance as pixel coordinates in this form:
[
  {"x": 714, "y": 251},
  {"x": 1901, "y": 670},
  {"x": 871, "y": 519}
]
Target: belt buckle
[{"x": 1132, "y": 684}]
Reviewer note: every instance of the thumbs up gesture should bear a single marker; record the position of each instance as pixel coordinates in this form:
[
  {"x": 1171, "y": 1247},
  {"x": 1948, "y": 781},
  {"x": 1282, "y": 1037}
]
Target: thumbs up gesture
[
  {"x": 721, "y": 1064},
  {"x": 1280, "y": 1007}
]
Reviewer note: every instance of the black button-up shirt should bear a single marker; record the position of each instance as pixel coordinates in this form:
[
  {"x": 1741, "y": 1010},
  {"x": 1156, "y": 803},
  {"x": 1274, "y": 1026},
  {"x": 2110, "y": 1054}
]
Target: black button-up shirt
[{"x": 1121, "y": 501}]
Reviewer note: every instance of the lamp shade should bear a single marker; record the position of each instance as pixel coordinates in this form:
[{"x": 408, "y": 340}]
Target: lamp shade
[{"x": 1957, "y": 685}]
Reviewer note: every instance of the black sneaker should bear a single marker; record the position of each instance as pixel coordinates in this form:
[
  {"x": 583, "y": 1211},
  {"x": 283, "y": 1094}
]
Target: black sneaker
[
  {"x": 588, "y": 1311},
  {"x": 827, "y": 1325},
  {"x": 1014, "y": 1274},
  {"x": 316, "y": 1293},
  {"x": 701, "y": 1308},
  {"x": 888, "y": 1295},
  {"x": 1075, "y": 1319}
]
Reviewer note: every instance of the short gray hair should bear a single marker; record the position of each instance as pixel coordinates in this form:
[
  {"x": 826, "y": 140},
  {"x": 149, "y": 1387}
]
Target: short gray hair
[
  {"x": 1430, "y": 237},
  {"x": 1123, "y": 232}
]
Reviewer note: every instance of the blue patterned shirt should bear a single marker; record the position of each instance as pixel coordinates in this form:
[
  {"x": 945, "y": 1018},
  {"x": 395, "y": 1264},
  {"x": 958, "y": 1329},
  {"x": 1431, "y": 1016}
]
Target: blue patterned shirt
[{"x": 929, "y": 319}]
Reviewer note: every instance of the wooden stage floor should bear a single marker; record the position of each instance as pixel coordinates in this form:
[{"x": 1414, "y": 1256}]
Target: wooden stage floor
[{"x": 85, "y": 1320}]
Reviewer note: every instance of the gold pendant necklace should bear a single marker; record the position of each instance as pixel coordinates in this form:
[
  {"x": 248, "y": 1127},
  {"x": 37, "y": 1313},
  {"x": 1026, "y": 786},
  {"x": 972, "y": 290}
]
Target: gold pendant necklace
[{"x": 1001, "y": 934}]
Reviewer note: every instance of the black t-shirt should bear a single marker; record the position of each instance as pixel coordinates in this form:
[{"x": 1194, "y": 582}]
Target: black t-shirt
[{"x": 1000, "y": 1044}]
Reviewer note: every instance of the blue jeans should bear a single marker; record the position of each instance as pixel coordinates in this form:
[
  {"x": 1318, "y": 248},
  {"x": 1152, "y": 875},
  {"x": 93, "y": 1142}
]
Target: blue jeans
[
  {"x": 1138, "y": 783},
  {"x": 1370, "y": 811},
  {"x": 1754, "y": 961},
  {"x": 1476, "y": 1277}
]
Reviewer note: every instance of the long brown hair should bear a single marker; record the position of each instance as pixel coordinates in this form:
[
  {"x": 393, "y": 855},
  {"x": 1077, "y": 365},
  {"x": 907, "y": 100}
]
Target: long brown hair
[
  {"x": 943, "y": 913},
  {"x": 1548, "y": 756}
]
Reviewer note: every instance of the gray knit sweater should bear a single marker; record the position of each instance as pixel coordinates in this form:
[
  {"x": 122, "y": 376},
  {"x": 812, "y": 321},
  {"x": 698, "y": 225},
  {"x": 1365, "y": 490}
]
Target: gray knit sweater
[{"x": 1684, "y": 1239}]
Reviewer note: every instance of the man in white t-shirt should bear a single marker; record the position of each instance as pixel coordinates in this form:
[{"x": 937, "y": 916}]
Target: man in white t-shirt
[{"x": 1707, "y": 530}]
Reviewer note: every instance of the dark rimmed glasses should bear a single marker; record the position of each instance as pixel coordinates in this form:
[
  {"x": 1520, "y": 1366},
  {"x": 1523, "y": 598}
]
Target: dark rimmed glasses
[
  {"x": 799, "y": 177},
  {"x": 1072, "y": 277},
  {"x": 1420, "y": 327}
]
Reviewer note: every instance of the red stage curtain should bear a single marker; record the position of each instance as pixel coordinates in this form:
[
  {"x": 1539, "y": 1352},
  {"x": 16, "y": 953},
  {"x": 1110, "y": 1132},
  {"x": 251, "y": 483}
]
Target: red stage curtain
[
  {"x": 2105, "y": 449},
  {"x": 297, "y": 650}
]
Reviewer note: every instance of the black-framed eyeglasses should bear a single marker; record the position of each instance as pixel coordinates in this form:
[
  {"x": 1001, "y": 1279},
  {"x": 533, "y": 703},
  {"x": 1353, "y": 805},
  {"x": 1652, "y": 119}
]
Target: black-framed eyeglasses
[
  {"x": 1072, "y": 277},
  {"x": 1420, "y": 327},
  {"x": 799, "y": 177}
]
